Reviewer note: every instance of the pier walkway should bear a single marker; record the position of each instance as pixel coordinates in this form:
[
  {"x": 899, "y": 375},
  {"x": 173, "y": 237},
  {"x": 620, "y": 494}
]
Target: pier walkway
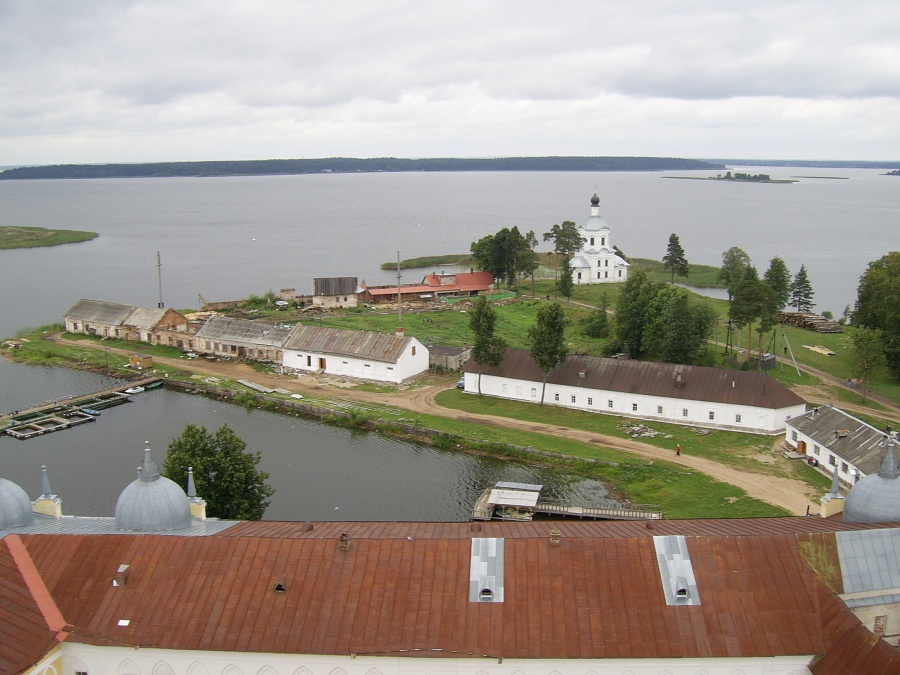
[{"x": 67, "y": 412}]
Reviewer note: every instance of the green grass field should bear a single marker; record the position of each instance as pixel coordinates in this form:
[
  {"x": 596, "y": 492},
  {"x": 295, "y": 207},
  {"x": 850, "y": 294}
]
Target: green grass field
[{"x": 31, "y": 237}]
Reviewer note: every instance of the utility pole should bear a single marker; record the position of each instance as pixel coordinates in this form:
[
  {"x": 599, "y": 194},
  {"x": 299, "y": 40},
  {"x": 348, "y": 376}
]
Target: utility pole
[
  {"x": 160, "y": 304},
  {"x": 399, "y": 296}
]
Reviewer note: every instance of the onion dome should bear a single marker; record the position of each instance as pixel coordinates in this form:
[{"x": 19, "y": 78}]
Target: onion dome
[
  {"x": 152, "y": 503},
  {"x": 595, "y": 223},
  {"x": 15, "y": 506},
  {"x": 876, "y": 498},
  {"x": 595, "y": 200}
]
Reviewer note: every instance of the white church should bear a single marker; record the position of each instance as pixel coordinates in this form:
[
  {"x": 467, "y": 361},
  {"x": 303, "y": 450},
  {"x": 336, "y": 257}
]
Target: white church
[{"x": 597, "y": 262}]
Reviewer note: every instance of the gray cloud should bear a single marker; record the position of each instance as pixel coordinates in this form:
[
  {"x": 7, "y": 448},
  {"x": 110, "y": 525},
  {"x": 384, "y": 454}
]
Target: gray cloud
[{"x": 133, "y": 81}]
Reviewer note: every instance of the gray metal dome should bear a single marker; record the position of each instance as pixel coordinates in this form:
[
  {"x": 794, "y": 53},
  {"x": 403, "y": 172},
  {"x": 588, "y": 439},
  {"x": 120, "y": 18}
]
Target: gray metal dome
[
  {"x": 876, "y": 498},
  {"x": 152, "y": 503},
  {"x": 15, "y": 506}
]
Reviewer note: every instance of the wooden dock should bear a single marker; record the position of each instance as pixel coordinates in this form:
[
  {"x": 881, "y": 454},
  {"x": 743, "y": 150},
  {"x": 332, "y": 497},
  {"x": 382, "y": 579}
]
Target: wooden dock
[
  {"x": 487, "y": 509},
  {"x": 66, "y": 412}
]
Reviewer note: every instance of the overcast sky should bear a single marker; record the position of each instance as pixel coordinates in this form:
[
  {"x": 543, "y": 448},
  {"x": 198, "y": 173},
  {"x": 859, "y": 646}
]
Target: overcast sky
[{"x": 119, "y": 81}]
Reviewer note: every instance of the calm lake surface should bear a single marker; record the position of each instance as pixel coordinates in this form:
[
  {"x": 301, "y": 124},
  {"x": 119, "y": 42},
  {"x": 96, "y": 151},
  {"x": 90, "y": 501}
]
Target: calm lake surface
[{"x": 226, "y": 238}]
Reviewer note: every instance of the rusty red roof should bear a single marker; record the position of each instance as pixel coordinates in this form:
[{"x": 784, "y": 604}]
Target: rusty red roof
[
  {"x": 403, "y": 587},
  {"x": 650, "y": 378}
]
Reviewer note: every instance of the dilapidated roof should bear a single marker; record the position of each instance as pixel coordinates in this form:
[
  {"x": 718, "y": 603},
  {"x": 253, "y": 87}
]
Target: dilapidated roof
[
  {"x": 327, "y": 286},
  {"x": 99, "y": 312},
  {"x": 353, "y": 343},
  {"x": 145, "y": 318},
  {"x": 244, "y": 331},
  {"x": 650, "y": 378},
  {"x": 843, "y": 435}
]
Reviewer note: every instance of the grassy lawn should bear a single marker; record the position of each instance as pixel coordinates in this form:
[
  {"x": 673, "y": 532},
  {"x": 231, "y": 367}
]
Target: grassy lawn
[{"x": 30, "y": 237}]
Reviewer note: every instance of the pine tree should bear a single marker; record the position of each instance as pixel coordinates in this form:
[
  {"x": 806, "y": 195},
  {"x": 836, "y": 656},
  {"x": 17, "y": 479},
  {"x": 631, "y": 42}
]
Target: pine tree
[
  {"x": 674, "y": 258},
  {"x": 778, "y": 278},
  {"x": 802, "y": 291}
]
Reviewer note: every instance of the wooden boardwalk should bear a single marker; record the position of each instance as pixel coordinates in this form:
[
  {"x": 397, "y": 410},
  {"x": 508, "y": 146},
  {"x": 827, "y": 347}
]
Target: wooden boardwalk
[
  {"x": 66, "y": 412},
  {"x": 484, "y": 510}
]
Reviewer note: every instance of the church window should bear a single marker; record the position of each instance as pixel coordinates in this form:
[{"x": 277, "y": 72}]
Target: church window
[
  {"x": 659, "y": 410},
  {"x": 592, "y": 241},
  {"x": 603, "y": 241},
  {"x": 609, "y": 403},
  {"x": 598, "y": 274},
  {"x": 590, "y": 401},
  {"x": 606, "y": 275},
  {"x": 579, "y": 276},
  {"x": 737, "y": 418},
  {"x": 573, "y": 399},
  {"x": 620, "y": 273},
  {"x": 712, "y": 415},
  {"x": 634, "y": 407},
  {"x": 555, "y": 397},
  {"x": 606, "y": 263},
  {"x": 684, "y": 412}
]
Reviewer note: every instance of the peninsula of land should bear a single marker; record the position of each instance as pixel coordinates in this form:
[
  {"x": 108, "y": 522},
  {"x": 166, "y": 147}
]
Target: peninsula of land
[{"x": 32, "y": 237}]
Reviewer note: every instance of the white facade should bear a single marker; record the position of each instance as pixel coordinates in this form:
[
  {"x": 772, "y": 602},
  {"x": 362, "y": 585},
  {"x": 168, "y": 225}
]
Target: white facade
[
  {"x": 596, "y": 262},
  {"x": 96, "y": 660},
  {"x": 411, "y": 362},
  {"x": 709, "y": 414}
]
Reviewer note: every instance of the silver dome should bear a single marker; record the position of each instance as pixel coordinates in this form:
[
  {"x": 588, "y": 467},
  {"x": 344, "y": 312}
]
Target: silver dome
[
  {"x": 15, "y": 506},
  {"x": 152, "y": 503},
  {"x": 876, "y": 498}
]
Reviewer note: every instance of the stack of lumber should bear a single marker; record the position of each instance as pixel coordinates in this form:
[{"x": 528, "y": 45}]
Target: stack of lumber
[{"x": 815, "y": 322}]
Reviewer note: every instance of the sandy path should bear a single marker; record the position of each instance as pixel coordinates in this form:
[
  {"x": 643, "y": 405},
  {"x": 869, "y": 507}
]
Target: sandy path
[{"x": 792, "y": 495}]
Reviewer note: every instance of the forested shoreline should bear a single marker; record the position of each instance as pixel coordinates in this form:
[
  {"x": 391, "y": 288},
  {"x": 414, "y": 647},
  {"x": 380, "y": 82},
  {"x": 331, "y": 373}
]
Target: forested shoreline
[{"x": 352, "y": 165}]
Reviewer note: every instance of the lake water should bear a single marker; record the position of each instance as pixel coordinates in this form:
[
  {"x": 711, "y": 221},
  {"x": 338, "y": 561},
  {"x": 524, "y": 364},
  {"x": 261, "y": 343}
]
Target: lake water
[{"x": 227, "y": 238}]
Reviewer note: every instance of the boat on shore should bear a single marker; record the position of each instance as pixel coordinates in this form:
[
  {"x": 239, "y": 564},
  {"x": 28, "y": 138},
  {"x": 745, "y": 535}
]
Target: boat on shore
[{"x": 134, "y": 390}]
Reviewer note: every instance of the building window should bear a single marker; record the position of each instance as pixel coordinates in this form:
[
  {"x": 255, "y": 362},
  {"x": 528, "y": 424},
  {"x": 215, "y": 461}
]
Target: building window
[
  {"x": 555, "y": 397},
  {"x": 844, "y": 467},
  {"x": 816, "y": 450},
  {"x": 344, "y": 362},
  {"x": 598, "y": 274},
  {"x": 603, "y": 241},
  {"x": 368, "y": 365},
  {"x": 793, "y": 435},
  {"x": 534, "y": 392},
  {"x": 684, "y": 412},
  {"x": 590, "y": 401},
  {"x": 832, "y": 460},
  {"x": 592, "y": 241},
  {"x": 503, "y": 388},
  {"x": 518, "y": 390},
  {"x": 634, "y": 407},
  {"x": 737, "y": 418},
  {"x": 413, "y": 350},
  {"x": 659, "y": 410},
  {"x": 573, "y": 399},
  {"x": 390, "y": 367},
  {"x": 606, "y": 275},
  {"x": 309, "y": 361},
  {"x": 609, "y": 403},
  {"x": 712, "y": 415},
  {"x": 620, "y": 274},
  {"x": 579, "y": 276},
  {"x": 606, "y": 263}
]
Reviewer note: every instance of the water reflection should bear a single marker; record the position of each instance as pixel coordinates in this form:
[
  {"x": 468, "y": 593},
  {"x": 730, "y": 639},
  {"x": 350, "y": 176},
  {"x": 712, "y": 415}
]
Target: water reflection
[{"x": 318, "y": 472}]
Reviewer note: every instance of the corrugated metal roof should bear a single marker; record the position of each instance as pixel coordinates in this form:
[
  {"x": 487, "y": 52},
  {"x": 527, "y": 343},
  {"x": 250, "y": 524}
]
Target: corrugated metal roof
[
  {"x": 353, "y": 343},
  {"x": 650, "y": 378},
  {"x": 24, "y": 634},
  {"x": 100, "y": 312},
  {"x": 392, "y": 596},
  {"x": 335, "y": 286},
  {"x": 225, "y": 329},
  {"x": 100, "y": 525},
  {"x": 870, "y": 560},
  {"x": 847, "y": 437}
]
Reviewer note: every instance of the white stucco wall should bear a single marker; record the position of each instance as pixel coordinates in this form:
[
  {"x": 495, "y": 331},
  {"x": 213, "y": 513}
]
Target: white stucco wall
[
  {"x": 150, "y": 661},
  {"x": 412, "y": 362},
  {"x": 824, "y": 456},
  {"x": 698, "y": 413}
]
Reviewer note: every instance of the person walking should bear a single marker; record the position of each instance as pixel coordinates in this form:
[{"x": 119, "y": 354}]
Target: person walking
[{"x": 678, "y": 450}]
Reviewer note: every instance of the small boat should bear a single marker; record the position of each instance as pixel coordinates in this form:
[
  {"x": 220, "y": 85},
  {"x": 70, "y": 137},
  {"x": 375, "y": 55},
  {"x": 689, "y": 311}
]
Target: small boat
[
  {"x": 134, "y": 390},
  {"x": 91, "y": 411},
  {"x": 154, "y": 385}
]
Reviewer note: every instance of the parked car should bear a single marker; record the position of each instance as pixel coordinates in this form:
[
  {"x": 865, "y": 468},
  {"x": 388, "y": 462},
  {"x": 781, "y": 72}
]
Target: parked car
[{"x": 461, "y": 384}]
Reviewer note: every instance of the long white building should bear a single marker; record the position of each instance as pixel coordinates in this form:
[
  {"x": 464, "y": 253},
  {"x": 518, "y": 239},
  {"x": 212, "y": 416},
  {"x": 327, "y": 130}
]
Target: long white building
[{"x": 678, "y": 394}]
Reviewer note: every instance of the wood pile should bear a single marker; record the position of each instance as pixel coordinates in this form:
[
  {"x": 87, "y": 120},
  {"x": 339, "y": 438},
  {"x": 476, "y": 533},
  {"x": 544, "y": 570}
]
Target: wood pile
[{"x": 814, "y": 322}]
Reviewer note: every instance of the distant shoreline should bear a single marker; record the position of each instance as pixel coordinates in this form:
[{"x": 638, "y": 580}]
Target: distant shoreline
[{"x": 288, "y": 167}]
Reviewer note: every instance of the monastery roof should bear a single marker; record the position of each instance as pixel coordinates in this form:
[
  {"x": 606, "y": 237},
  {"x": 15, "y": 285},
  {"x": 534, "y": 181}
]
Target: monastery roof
[
  {"x": 404, "y": 589},
  {"x": 244, "y": 330},
  {"x": 649, "y": 378},
  {"x": 843, "y": 435},
  {"x": 383, "y": 347}
]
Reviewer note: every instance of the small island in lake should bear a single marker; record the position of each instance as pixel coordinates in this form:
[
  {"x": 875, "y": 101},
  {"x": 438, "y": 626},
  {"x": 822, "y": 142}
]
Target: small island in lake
[
  {"x": 30, "y": 237},
  {"x": 895, "y": 172},
  {"x": 738, "y": 177}
]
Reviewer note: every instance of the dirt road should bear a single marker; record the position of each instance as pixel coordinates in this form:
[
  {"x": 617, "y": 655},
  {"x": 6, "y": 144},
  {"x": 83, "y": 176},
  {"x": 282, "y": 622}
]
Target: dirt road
[{"x": 792, "y": 495}]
